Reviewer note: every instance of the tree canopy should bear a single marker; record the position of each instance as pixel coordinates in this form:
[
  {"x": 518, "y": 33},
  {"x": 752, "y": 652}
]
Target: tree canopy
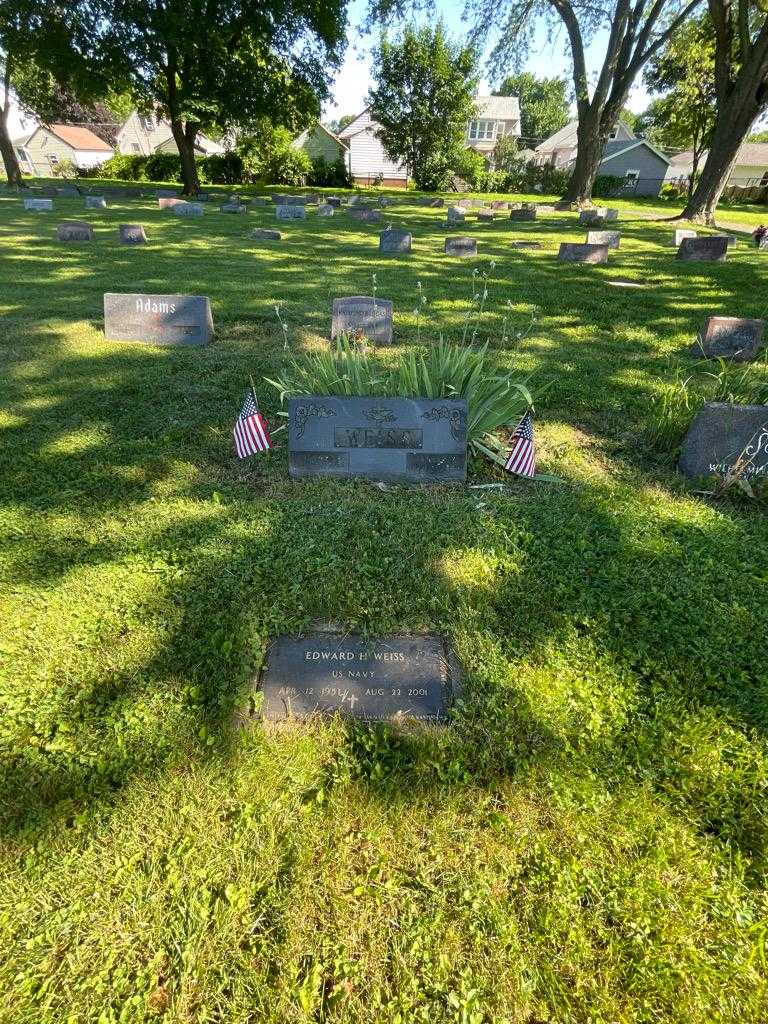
[{"x": 543, "y": 105}]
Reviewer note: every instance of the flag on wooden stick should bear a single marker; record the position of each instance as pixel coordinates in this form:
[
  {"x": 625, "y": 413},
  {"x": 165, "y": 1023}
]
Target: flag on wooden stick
[
  {"x": 251, "y": 431},
  {"x": 522, "y": 453}
]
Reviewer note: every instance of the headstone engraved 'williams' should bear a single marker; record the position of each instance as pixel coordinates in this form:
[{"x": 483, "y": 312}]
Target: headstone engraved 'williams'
[
  {"x": 393, "y": 679},
  {"x": 74, "y": 231},
  {"x": 730, "y": 337},
  {"x": 266, "y": 235},
  {"x": 95, "y": 202},
  {"x": 610, "y": 238},
  {"x": 680, "y": 234},
  {"x": 158, "y": 319},
  {"x": 132, "y": 234},
  {"x": 707, "y": 249},
  {"x": 38, "y": 205},
  {"x": 363, "y": 314},
  {"x": 291, "y": 211},
  {"x": 725, "y": 439},
  {"x": 581, "y": 252},
  {"x": 459, "y": 245},
  {"x": 400, "y": 439},
  {"x": 395, "y": 241}
]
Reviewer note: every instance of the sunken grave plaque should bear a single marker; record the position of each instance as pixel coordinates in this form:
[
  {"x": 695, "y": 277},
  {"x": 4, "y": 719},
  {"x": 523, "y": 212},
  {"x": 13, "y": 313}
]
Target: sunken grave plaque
[
  {"x": 394, "y": 241},
  {"x": 680, "y": 234},
  {"x": 188, "y": 209},
  {"x": 132, "y": 234},
  {"x": 364, "y": 214},
  {"x": 459, "y": 245},
  {"x": 363, "y": 314},
  {"x": 399, "y": 439},
  {"x": 523, "y": 214},
  {"x": 610, "y": 238},
  {"x": 158, "y": 319},
  {"x": 38, "y": 205},
  {"x": 582, "y": 252},
  {"x": 266, "y": 235},
  {"x": 74, "y": 231},
  {"x": 524, "y": 244},
  {"x": 727, "y": 439},
  {"x": 395, "y": 679},
  {"x": 291, "y": 212},
  {"x": 707, "y": 249},
  {"x": 730, "y": 337},
  {"x": 95, "y": 202}
]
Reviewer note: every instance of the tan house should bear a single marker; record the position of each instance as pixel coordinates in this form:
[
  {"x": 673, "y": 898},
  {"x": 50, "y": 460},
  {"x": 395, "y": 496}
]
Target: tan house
[
  {"x": 319, "y": 141},
  {"x": 41, "y": 152},
  {"x": 144, "y": 134},
  {"x": 497, "y": 117}
]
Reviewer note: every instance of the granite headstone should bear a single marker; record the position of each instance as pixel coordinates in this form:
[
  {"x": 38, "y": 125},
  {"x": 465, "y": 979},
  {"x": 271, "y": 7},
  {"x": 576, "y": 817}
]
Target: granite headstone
[
  {"x": 158, "y": 319},
  {"x": 188, "y": 209},
  {"x": 460, "y": 245},
  {"x": 725, "y": 438},
  {"x": 610, "y": 238},
  {"x": 291, "y": 212},
  {"x": 266, "y": 235},
  {"x": 38, "y": 205},
  {"x": 393, "y": 241},
  {"x": 581, "y": 252},
  {"x": 74, "y": 231},
  {"x": 730, "y": 337},
  {"x": 705, "y": 249},
  {"x": 523, "y": 214},
  {"x": 363, "y": 315},
  {"x": 325, "y": 210},
  {"x": 132, "y": 234},
  {"x": 680, "y": 234},
  {"x": 95, "y": 202}
]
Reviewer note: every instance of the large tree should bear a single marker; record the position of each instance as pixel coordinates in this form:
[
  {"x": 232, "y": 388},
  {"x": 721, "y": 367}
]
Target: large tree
[
  {"x": 741, "y": 88},
  {"x": 423, "y": 99},
  {"x": 543, "y": 105},
  {"x": 225, "y": 63}
]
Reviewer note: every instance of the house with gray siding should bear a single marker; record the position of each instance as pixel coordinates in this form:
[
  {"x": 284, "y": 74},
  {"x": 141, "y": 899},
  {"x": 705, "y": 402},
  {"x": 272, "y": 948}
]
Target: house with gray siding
[
  {"x": 641, "y": 165},
  {"x": 559, "y": 149}
]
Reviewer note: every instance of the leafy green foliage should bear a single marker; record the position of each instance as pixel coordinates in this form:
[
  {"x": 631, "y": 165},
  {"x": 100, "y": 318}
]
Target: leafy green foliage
[
  {"x": 608, "y": 185},
  {"x": 544, "y": 107},
  {"x": 331, "y": 175}
]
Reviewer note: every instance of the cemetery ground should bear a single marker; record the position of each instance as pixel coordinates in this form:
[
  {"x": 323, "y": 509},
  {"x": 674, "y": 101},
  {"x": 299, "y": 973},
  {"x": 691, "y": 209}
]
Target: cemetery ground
[{"x": 586, "y": 842}]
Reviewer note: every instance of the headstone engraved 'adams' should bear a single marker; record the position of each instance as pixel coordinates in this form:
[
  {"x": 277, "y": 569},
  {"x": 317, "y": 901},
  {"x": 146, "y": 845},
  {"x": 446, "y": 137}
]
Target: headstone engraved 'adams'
[
  {"x": 727, "y": 439},
  {"x": 291, "y": 211},
  {"x": 394, "y": 679},
  {"x": 38, "y": 205},
  {"x": 95, "y": 202},
  {"x": 132, "y": 234},
  {"x": 707, "y": 249},
  {"x": 400, "y": 439},
  {"x": 395, "y": 241},
  {"x": 581, "y": 252},
  {"x": 158, "y": 319},
  {"x": 74, "y": 231},
  {"x": 458, "y": 245},
  {"x": 730, "y": 337},
  {"x": 363, "y": 314},
  {"x": 610, "y": 238}
]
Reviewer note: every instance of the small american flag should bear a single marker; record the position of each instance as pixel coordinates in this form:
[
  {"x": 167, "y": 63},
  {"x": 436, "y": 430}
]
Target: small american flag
[
  {"x": 522, "y": 454},
  {"x": 251, "y": 433}
]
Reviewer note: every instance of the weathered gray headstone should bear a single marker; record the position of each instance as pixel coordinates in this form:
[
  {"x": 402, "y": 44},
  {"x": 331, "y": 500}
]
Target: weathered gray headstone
[
  {"x": 38, "y": 205},
  {"x": 581, "y": 252},
  {"x": 523, "y": 214},
  {"x": 610, "y": 238},
  {"x": 410, "y": 439},
  {"x": 726, "y": 438},
  {"x": 363, "y": 315},
  {"x": 325, "y": 210},
  {"x": 168, "y": 202},
  {"x": 233, "y": 207},
  {"x": 365, "y": 215},
  {"x": 499, "y": 204},
  {"x": 291, "y": 212},
  {"x": 730, "y": 337},
  {"x": 188, "y": 209},
  {"x": 611, "y": 213},
  {"x": 680, "y": 234},
  {"x": 393, "y": 679},
  {"x": 333, "y": 201},
  {"x": 395, "y": 241},
  {"x": 132, "y": 234},
  {"x": 460, "y": 245},
  {"x": 74, "y": 231},
  {"x": 158, "y": 319},
  {"x": 266, "y": 234},
  {"x": 95, "y": 202},
  {"x": 455, "y": 215},
  {"x": 706, "y": 249},
  {"x": 485, "y": 215},
  {"x": 730, "y": 239},
  {"x": 595, "y": 216}
]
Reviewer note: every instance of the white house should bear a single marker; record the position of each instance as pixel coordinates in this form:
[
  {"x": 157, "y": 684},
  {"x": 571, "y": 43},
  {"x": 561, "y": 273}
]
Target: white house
[
  {"x": 560, "y": 149},
  {"x": 497, "y": 116},
  {"x": 144, "y": 134},
  {"x": 40, "y": 152},
  {"x": 319, "y": 141}
]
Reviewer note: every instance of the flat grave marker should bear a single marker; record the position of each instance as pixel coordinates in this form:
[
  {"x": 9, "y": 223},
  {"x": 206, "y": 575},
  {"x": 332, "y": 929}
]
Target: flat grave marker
[
  {"x": 725, "y": 437},
  {"x": 362, "y": 314},
  {"x": 400, "y": 439},
  {"x": 158, "y": 319},
  {"x": 582, "y": 252},
  {"x": 132, "y": 234},
  {"x": 74, "y": 231},
  {"x": 610, "y": 238},
  {"x": 291, "y": 212},
  {"x": 95, "y": 203},
  {"x": 233, "y": 207},
  {"x": 38, "y": 205},
  {"x": 460, "y": 245},
  {"x": 394, "y": 241},
  {"x": 730, "y": 337},
  {"x": 705, "y": 249},
  {"x": 266, "y": 235},
  {"x": 394, "y": 679}
]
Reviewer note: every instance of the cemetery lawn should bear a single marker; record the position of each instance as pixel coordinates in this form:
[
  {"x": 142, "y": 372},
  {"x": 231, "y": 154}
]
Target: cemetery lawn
[{"x": 588, "y": 841}]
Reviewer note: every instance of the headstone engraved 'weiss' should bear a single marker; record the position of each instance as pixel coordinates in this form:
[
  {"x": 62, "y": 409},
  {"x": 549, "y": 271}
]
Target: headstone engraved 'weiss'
[
  {"x": 158, "y": 319},
  {"x": 730, "y": 337},
  {"x": 95, "y": 202},
  {"x": 365, "y": 315},
  {"x": 393, "y": 679},
  {"x": 291, "y": 212},
  {"x": 132, "y": 234},
  {"x": 581, "y": 252},
  {"x": 610, "y": 238},
  {"x": 395, "y": 241},
  {"x": 707, "y": 249},
  {"x": 727, "y": 439},
  {"x": 401, "y": 439},
  {"x": 74, "y": 231},
  {"x": 38, "y": 205},
  {"x": 458, "y": 245}
]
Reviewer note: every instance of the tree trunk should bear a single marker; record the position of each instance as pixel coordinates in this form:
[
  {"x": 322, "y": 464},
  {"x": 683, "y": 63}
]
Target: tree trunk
[
  {"x": 589, "y": 153},
  {"x": 12, "y": 169},
  {"x": 184, "y": 137}
]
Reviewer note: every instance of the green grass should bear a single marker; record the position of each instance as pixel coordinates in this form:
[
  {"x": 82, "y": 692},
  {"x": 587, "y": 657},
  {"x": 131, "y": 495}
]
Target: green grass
[{"x": 586, "y": 843}]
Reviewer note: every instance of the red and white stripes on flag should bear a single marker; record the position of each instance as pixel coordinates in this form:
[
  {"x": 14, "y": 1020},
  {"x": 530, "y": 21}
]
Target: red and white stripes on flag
[
  {"x": 251, "y": 433},
  {"x": 522, "y": 453}
]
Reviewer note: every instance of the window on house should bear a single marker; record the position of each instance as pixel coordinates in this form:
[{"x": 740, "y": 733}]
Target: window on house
[
  {"x": 148, "y": 123},
  {"x": 631, "y": 179},
  {"x": 53, "y": 159},
  {"x": 135, "y": 147},
  {"x": 482, "y": 131}
]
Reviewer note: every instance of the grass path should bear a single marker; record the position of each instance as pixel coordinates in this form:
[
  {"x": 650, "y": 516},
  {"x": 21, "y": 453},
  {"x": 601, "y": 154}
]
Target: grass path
[{"x": 587, "y": 843}]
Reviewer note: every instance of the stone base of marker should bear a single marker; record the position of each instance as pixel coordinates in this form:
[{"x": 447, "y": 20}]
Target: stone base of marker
[
  {"x": 459, "y": 245},
  {"x": 266, "y": 235},
  {"x": 727, "y": 439},
  {"x": 610, "y": 238},
  {"x": 730, "y": 337},
  {"x": 395, "y": 242},
  {"x": 364, "y": 316},
  {"x": 158, "y": 319},
  {"x": 95, "y": 202},
  {"x": 582, "y": 252},
  {"x": 680, "y": 234},
  {"x": 396, "y": 679},
  {"x": 706, "y": 249},
  {"x": 74, "y": 231},
  {"x": 132, "y": 234}
]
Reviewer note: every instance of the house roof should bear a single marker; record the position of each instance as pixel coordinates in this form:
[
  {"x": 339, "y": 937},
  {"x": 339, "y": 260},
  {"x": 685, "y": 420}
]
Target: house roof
[
  {"x": 502, "y": 108},
  {"x": 753, "y": 153},
  {"x": 78, "y": 137},
  {"x": 22, "y": 140},
  {"x": 309, "y": 131},
  {"x": 351, "y": 128},
  {"x": 617, "y": 147},
  {"x": 560, "y": 140},
  {"x": 682, "y": 159}
]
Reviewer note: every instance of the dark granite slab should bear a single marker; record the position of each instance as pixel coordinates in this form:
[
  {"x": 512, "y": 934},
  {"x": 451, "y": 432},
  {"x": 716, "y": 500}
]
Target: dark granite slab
[{"x": 158, "y": 319}]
